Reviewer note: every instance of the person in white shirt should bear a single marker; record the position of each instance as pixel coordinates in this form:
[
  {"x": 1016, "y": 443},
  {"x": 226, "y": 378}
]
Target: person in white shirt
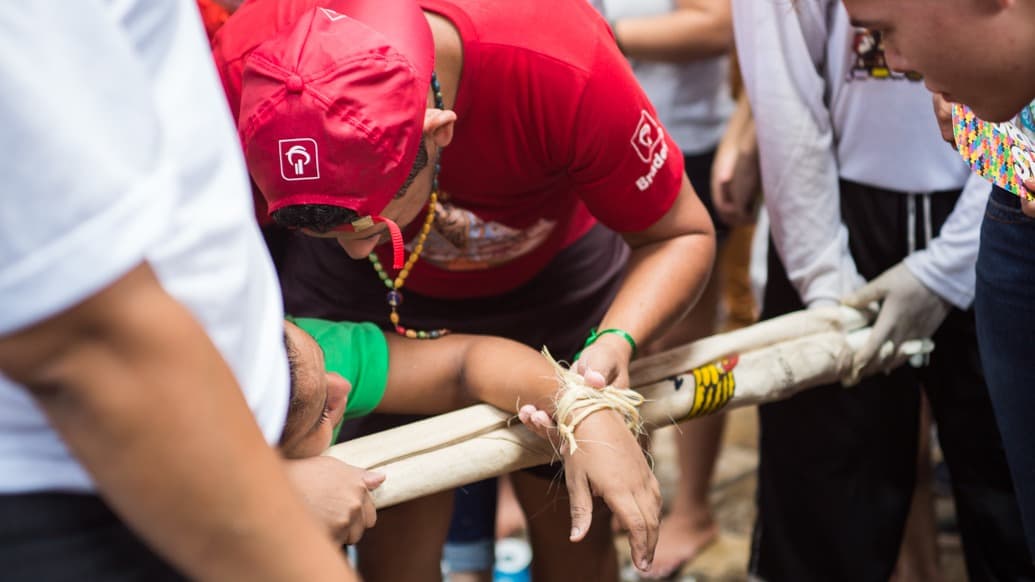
[
  {"x": 141, "y": 319},
  {"x": 982, "y": 54},
  {"x": 860, "y": 188}
]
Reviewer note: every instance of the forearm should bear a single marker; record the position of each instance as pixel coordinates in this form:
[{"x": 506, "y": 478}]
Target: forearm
[
  {"x": 742, "y": 127},
  {"x": 155, "y": 416},
  {"x": 739, "y": 141},
  {"x": 508, "y": 375},
  {"x": 739, "y": 122},
  {"x": 460, "y": 370},
  {"x": 681, "y": 36},
  {"x": 664, "y": 279}
]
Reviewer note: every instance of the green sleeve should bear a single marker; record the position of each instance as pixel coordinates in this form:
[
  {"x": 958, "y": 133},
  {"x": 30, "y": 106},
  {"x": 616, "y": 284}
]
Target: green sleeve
[{"x": 359, "y": 353}]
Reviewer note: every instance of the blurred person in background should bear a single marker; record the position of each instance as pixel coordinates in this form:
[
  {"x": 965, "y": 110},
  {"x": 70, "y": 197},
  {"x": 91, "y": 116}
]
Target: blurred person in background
[
  {"x": 867, "y": 205},
  {"x": 980, "y": 53}
]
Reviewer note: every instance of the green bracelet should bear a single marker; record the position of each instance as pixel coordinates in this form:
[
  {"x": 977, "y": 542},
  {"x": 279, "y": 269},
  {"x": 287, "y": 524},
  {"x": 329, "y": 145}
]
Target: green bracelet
[{"x": 594, "y": 335}]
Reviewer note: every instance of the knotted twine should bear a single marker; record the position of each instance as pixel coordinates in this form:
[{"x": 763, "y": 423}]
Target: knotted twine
[{"x": 576, "y": 400}]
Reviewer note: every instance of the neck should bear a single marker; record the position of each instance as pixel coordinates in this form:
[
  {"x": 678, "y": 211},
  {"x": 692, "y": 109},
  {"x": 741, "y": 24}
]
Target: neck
[{"x": 449, "y": 57}]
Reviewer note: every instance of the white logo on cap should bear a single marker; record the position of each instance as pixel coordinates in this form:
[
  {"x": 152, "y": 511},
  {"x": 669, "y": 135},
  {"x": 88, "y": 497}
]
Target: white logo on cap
[
  {"x": 302, "y": 157},
  {"x": 332, "y": 15},
  {"x": 647, "y": 136}
]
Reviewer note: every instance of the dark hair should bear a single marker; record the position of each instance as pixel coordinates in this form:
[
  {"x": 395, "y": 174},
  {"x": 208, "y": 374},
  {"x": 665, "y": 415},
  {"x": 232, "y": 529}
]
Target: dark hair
[{"x": 324, "y": 217}]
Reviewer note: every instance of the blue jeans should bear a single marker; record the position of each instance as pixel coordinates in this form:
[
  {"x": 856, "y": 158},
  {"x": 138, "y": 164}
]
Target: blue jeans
[
  {"x": 1005, "y": 309},
  {"x": 471, "y": 545}
]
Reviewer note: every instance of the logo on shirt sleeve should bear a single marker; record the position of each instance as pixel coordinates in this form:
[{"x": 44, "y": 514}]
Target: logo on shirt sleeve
[
  {"x": 650, "y": 145},
  {"x": 299, "y": 159},
  {"x": 332, "y": 15},
  {"x": 647, "y": 136}
]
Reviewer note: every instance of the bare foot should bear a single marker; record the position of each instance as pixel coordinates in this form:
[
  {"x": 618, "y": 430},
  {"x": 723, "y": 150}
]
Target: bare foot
[{"x": 680, "y": 541}]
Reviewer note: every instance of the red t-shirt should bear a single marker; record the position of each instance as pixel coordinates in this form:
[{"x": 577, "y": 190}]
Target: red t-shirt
[{"x": 553, "y": 133}]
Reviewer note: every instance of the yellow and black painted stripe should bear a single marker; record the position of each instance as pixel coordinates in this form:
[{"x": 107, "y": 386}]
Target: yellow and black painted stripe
[{"x": 714, "y": 386}]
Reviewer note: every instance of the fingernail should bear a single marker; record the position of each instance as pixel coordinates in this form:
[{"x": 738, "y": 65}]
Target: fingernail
[
  {"x": 644, "y": 565},
  {"x": 574, "y": 532}
]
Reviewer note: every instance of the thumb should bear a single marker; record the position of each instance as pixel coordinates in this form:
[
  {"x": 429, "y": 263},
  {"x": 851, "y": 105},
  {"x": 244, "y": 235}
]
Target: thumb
[
  {"x": 592, "y": 377},
  {"x": 870, "y": 350},
  {"x": 862, "y": 297},
  {"x": 373, "y": 480},
  {"x": 581, "y": 502},
  {"x": 866, "y": 353}
]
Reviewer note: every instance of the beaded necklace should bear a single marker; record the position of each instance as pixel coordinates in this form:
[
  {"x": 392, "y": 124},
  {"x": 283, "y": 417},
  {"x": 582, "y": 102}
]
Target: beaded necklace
[{"x": 394, "y": 295}]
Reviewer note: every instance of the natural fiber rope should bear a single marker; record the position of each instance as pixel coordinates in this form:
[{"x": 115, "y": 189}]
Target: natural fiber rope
[{"x": 576, "y": 400}]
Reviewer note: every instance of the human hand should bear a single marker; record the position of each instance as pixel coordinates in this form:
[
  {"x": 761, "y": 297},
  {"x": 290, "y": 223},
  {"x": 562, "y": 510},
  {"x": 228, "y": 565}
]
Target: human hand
[
  {"x": 539, "y": 422},
  {"x": 605, "y": 362},
  {"x": 943, "y": 112},
  {"x": 338, "y": 494},
  {"x": 736, "y": 179},
  {"x": 610, "y": 464},
  {"x": 908, "y": 310},
  {"x": 1028, "y": 201}
]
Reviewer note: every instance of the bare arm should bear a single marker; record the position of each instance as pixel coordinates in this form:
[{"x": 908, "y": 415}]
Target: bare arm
[
  {"x": 458, "y": 370},
  {"x": 668, "y": 268},
  {"x": 696, "y": 29},
  {"x": 145, "y": 402},
  {"x": 736, "y": 179},
  {"x": 432, "y": 377}
]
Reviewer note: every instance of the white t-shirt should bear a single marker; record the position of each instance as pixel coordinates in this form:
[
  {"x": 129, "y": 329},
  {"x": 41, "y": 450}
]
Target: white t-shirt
[
  {"x": 692, "y": 99},
  {"x": 117, "y": 147},
  {"x": 827, "y": 107}
]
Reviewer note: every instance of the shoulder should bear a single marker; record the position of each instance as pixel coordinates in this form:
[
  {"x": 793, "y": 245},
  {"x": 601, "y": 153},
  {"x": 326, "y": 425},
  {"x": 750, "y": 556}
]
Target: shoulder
[{"x": 542, "y": 31}]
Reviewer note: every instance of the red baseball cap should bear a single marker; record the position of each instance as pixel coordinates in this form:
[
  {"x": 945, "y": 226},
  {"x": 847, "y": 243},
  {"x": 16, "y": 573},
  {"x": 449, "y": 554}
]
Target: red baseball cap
[{"x": 332, "y": 108}]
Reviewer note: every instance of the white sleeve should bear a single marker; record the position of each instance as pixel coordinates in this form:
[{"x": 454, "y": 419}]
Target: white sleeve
[
  {"x": 946, "y": 266},
  {"x": 782, "y": 47},
  {"x": 84, "y": 189}
]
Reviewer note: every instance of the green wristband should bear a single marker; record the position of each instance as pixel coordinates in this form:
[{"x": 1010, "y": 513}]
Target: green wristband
[{"x": 594, "y": 335}]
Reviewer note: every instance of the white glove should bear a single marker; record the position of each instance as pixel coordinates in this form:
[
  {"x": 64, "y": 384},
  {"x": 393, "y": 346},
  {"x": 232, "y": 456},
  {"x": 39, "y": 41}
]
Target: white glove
[{"x": 908, "y": 310}]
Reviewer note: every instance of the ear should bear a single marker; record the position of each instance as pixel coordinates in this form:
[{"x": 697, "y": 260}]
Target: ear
[{"x": 439, "y": 124}]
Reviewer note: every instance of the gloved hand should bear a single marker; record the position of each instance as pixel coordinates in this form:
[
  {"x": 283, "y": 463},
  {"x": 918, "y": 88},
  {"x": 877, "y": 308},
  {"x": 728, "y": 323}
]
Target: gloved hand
[{"x": 908, "y": 310}]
